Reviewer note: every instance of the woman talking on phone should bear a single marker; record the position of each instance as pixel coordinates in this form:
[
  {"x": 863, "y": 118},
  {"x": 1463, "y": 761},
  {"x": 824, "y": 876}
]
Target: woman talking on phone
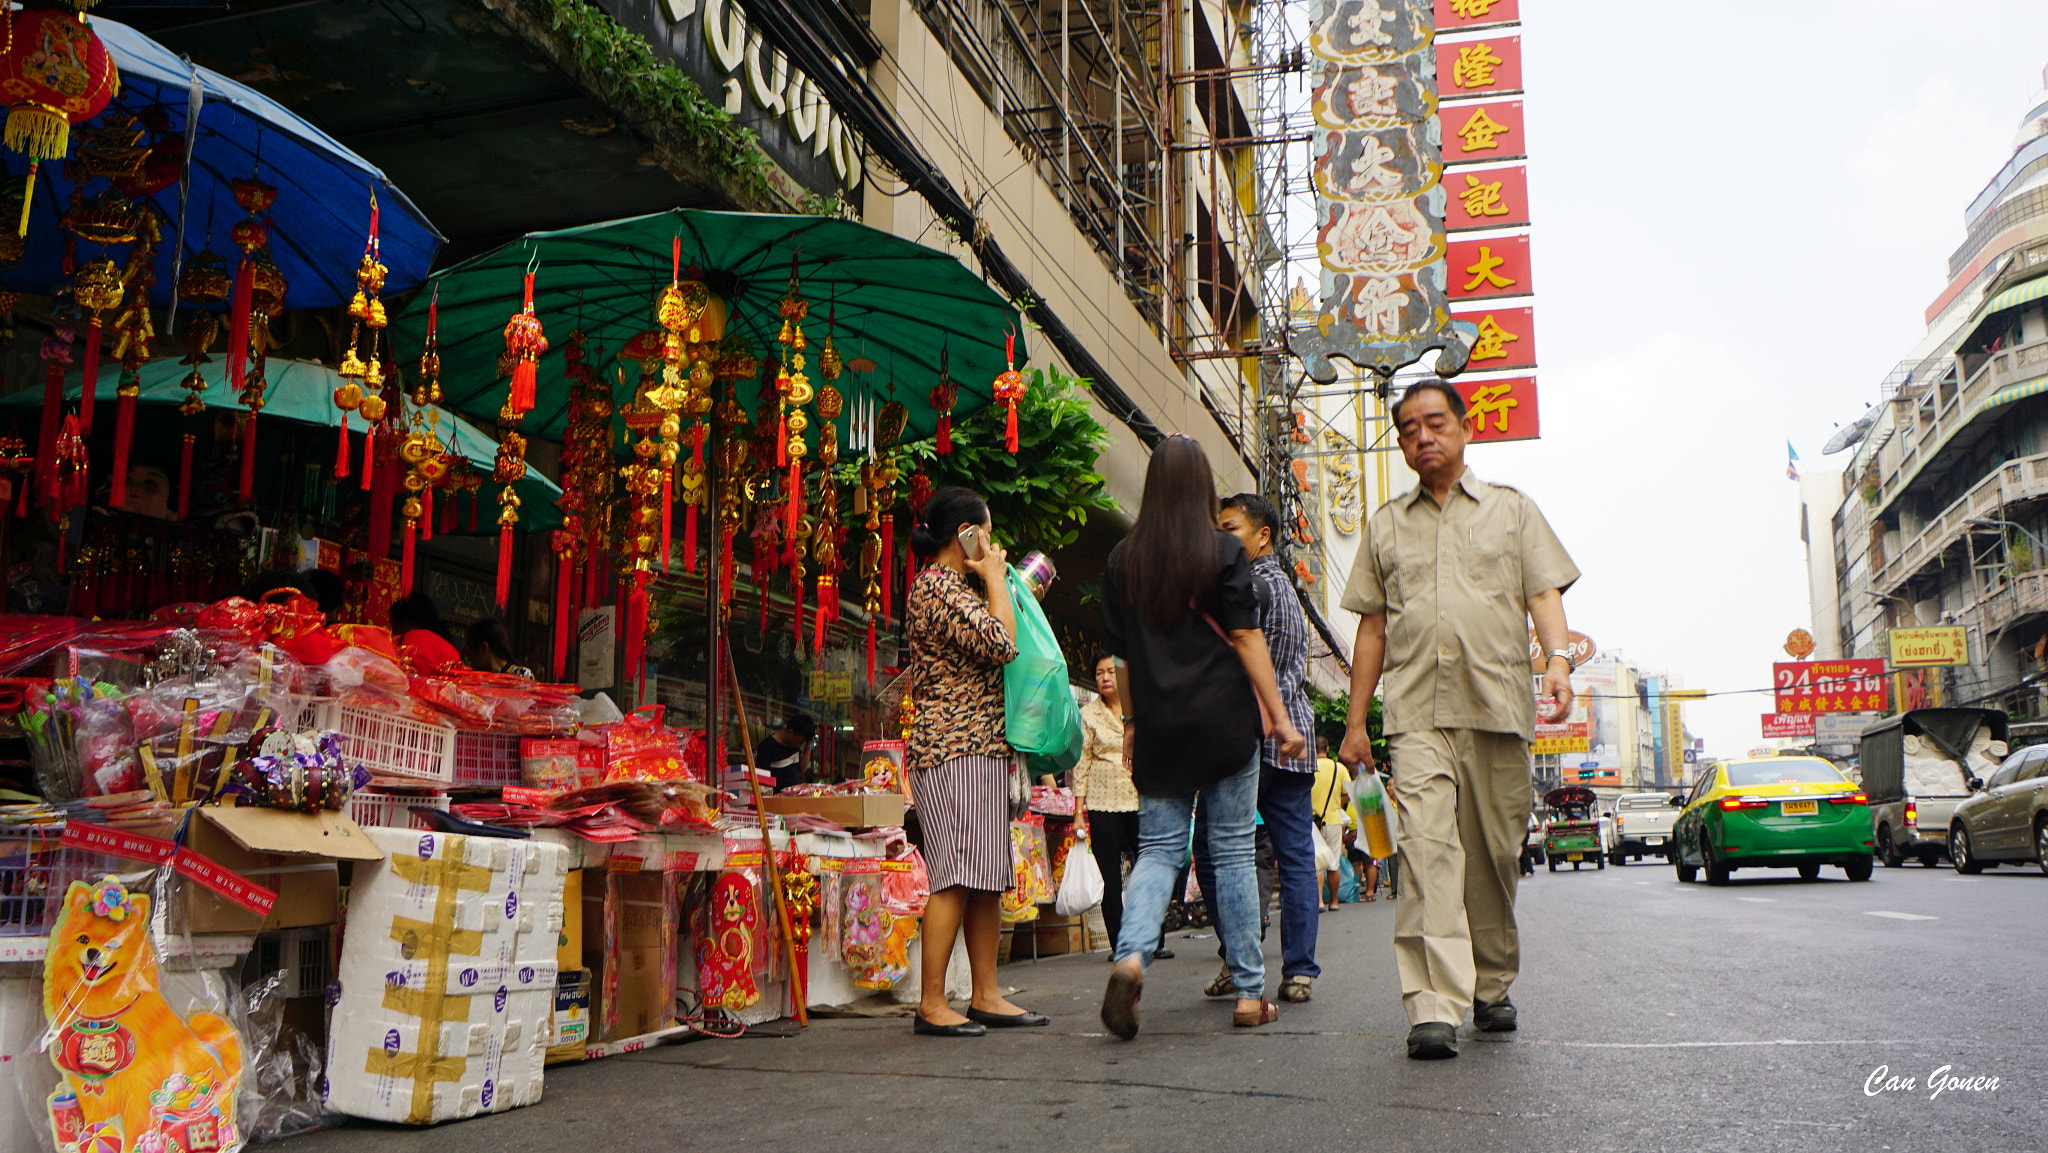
[
  {"x": 962, "y": 631},
  {"x": 1179, "y": 607}
]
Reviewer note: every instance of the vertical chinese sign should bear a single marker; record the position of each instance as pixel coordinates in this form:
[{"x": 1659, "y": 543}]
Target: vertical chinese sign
[
  {"x": 1380, "y": 236},
  {"x": 1479, "y": 70}
]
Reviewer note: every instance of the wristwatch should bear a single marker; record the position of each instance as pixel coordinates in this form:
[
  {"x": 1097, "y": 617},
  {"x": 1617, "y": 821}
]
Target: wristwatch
[{"x": 1567, "y": 655}]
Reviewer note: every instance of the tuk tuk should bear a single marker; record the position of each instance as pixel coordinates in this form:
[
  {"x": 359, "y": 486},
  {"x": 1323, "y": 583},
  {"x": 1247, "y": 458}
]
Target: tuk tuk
[{"x": 1573, "y": 833}]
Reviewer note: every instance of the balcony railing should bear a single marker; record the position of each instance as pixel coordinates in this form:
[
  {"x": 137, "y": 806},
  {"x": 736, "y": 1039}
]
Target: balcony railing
[
  {"x": 2024, "y": 594},
  {"x": 2014, "y": 481},
  {"x": 1921, "y": 438}
]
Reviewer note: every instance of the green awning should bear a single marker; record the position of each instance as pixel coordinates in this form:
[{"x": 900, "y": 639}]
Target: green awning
[
  {"x": 2018, "y": 294},
  {"x": 2013, "y": 393}
]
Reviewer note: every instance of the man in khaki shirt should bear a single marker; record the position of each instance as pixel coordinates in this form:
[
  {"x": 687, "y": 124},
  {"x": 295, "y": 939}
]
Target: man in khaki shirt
[{"x": 1445, "y": 585}]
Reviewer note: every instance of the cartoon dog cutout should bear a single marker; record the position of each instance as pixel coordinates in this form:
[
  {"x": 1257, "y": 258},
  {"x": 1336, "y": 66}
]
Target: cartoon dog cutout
[{"x": 136, "y": 1077}]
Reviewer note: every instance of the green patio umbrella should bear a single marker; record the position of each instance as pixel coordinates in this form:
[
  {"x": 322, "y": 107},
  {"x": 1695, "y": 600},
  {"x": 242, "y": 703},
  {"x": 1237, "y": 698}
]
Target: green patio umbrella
[
  {"x": 304, "y": 391},
  {"x": 898, "y": 304}
]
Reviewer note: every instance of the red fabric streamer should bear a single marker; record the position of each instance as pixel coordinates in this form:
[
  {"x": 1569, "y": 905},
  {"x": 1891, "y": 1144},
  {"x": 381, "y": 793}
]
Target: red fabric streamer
[
  {"x": 668, "y": 500},
  {"x": 690, "y": 539},
  {"x": 1010, "y": 430},
  {"x": 369, "y": 457},
  {"x": 405, "y": 571},
  {"x": 238, "y": 323},
  {"x": 504, "y": 565},
  {"x": 381, "y": 478},
  {"x": 945, "y": 433},
  {"x": 341, "y": 450},
  {"x": 564, "y": 576},
  {"x": 246, "y": 490},
  {"x": 796, "y": 595},
  {"x": 427, "y": 513},
  {"x": 185, "y": 477},
  {"x": 795, "y": 512},
  {"x": 888, "y": 564},
  {"x": 89, "y": 385},
  {"x": 524, "y": 367},
  {"x": 124, "y": 440},
  {"x": 636, "y": 634},
  {"x": 46, "y": 439},
  {"x": 21, "y": 499},
  {"x": 822, "y": 618},
  {"x": 725, "y": 568},
  {"x": 476, "y": 496}
]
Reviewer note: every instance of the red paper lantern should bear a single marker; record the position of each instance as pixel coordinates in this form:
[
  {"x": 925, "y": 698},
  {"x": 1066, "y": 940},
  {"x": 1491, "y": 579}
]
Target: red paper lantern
[{"x": 54, "y": 73}]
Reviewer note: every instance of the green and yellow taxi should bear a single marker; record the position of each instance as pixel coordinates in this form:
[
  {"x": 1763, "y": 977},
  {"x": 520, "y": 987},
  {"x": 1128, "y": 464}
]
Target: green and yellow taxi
[{"x": 1773, "y": 812}]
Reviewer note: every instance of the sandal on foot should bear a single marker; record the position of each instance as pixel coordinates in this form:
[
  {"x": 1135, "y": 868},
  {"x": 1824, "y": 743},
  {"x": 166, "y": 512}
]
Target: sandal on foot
[
  {"x": 1265, "y": 1014},
  {"x": 1224, "y": 985},
  {"x": 1296, "y": 988},
  {"x": 1120, "y": 999}
]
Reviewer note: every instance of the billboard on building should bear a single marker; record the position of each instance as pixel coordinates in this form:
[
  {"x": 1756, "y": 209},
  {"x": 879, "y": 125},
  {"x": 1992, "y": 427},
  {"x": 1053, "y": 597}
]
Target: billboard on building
[
  {"x": 1916, "y": 648},
  {"x": 1785, "y": 726},
  {"x": 1853, "y": 686}
]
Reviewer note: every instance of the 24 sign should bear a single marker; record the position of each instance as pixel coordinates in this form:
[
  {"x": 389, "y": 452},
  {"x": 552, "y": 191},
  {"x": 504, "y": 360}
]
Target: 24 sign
[{"x": 1830, "y": 686}]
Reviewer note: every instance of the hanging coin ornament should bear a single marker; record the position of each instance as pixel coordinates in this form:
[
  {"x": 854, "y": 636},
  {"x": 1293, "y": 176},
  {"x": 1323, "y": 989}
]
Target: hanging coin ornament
[
  {"x": 204, "y": 280},
  {"x": 362, "y": 373},
  {"x": 794, "y": 388},
  {"x": 421, "y": 452},
  {"x": 97, "y": 288},
  {"x": 525, "y": 343},
  {"x": 133, "y": 331},
  {"x": 1009, "y": 389}
]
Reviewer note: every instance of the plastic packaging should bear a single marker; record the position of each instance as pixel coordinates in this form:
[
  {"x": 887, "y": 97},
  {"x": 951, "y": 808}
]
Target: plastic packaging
[
  {"x": 1370, "y": 798},
  {"x": 1081, "y": 888},
  {"x": 1040, "y": 719}
]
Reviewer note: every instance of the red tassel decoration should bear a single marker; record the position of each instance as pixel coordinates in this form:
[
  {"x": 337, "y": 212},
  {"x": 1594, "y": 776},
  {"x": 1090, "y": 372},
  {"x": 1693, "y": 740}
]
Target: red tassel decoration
[
  {"x": 476, "y": 497},
  {"x": 238, "y": 323},
  {"x": 504, "y": 564},
  {"x": 1010, "y": 430},
  {"x": 564, "y": 575},
  {"x": 690, "y": 539},
  {"x": 871, "y": 651},
  {"x": 46, "y": 438},
  {"x": 526, "y": 342},
  {"x": 887, "y": 565},
  {"x": 945, "y": 433},
  {"x": 795, "y": 503},
  {"x": 427, "y": 515},
  {"x": 405, "y": 572},
  {"x": 369, "y": 457},
  {"x": 381, "y": 478},
  {"x": 724, "y": 567},
  {"x": 636, "y": 634},
  {"x": 185, "y": 478},
  {"x": 21, "y": 500},
  {"x": 796, "y": 595},
  {"x": 246, "y": 490},
  {"x": 89, "y": 387},
  {"x": 821, "y": 616},
  {"x": 447, "y": 514},
  {"x": 668, "y": 500},
  {"x": 341, "y": 451},
  {"x": 124, "y": 440}
]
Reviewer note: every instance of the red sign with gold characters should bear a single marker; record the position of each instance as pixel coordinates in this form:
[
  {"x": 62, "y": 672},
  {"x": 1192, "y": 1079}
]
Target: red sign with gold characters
[
  {"x": 1486, "y": 198},
  {"x": 1464, "y": 15},
  {"x": 1507, "y": 337},
  {"x": 1799, "y": 644},
  {"x": 1483, "y": 133},
  {"x": 1787, "y": 725},
  {"x": 1830, "y": 686},
  {"x": 1501, "y": 409},
  {"x": 1489, "y": 66},
  {"x": 1493, "y": 267}
]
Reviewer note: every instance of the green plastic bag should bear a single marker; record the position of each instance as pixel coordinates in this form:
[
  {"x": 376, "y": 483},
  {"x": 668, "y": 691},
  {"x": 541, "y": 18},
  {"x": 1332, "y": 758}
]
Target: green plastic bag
[{"x": 1040, "y": 718}]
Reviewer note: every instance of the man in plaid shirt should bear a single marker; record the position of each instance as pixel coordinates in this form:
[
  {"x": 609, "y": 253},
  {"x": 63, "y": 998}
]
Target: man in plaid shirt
[{"x": 1285, "y": 784}]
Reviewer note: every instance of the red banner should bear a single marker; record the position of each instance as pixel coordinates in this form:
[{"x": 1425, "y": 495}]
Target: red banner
[
  {"x": 1507, "y": 337},
  {"x": 1464, "y": 15},
  {"x": 1491, "y": 66},
  {"x": 1787, "y": 725},
  {"x": 1497, "y": 266},
  {"x": 1830, "y": 686},
  {"x": 1502, "y": 409},
  {"x": 229, "y": 884},
  {"x": 1483, "y": 133},
  {"x": 1486, "y": 198},
  {"x": 117, "y": 843}
]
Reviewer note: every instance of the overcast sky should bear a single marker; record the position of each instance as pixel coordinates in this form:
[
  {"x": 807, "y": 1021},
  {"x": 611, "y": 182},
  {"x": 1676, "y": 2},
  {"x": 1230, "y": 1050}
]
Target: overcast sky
[{"x": 1741, "y": 215}]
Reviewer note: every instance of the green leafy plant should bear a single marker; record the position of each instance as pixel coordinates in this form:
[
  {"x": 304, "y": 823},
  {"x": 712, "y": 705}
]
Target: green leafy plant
[
  {"x": 1040, "y": 497},
  {"x": 1333, "y": 714}
]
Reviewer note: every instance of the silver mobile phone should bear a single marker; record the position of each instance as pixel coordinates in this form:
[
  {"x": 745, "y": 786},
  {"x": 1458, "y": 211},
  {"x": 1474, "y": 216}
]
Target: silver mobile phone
[{"x": 970, "y": 542}]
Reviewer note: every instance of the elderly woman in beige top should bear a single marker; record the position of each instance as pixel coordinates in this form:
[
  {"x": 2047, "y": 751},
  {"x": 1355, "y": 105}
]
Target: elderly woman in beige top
[{"x": 1105, "y": 801}]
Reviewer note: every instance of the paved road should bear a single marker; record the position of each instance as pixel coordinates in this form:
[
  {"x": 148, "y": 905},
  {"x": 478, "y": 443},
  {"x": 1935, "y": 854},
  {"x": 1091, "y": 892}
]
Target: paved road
[{"x": 1655, "y": 1016}]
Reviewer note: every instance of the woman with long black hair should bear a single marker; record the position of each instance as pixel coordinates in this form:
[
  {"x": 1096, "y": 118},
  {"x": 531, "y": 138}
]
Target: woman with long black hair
[
  {"x": 1179, "y": 607},
  {"x": 962, "y": 631}
]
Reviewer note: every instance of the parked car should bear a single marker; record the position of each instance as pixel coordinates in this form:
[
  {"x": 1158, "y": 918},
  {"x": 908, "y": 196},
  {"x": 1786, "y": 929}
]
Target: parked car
[
  {"x": 1642, "y": 825},
  {"x": 1917, "y": 767},
  {"x": 1773, "y": 812},
  {"x": 2005, "y": 822}
]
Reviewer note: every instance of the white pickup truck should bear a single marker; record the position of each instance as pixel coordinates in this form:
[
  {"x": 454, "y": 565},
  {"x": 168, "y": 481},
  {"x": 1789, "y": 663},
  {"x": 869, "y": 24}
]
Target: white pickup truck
[{"x": 1642, "y": 826}]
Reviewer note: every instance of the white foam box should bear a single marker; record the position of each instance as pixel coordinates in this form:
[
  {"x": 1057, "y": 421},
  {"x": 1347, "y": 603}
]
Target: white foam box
[{"x": 448, "y": 972}]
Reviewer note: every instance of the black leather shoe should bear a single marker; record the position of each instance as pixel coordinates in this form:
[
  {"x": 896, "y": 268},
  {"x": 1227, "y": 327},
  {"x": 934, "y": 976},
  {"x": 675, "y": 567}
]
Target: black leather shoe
[
  {"x": 1494, "y": 1016},
  {"x": 1432, "y": 1041},
  {"x": 1163, "y": 955},
  {"x": 924, "y": 1028},
  {"x": 1024, "y": 1020}
]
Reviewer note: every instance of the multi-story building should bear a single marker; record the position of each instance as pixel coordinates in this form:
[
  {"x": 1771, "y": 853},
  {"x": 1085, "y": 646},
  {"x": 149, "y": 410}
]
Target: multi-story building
[{"x": 1946, "y": 498}]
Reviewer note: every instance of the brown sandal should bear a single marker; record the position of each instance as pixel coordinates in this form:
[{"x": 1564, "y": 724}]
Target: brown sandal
[{"x": 1265, "y": 1014}]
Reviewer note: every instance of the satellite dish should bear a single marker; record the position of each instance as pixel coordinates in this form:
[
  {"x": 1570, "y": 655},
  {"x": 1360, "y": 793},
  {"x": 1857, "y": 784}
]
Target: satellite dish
[{"x": 1845, "y": 437}]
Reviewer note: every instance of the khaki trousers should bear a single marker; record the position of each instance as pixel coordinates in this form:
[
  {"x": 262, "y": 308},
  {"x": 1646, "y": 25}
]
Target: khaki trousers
[{"x": 1464, "y": 800}]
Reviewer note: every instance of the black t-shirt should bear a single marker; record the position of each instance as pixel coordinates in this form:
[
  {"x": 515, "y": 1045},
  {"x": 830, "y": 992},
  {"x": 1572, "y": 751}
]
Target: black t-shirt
[
  {"x": 771, "y": 754},
  {"x": 1195, "y": 719}
]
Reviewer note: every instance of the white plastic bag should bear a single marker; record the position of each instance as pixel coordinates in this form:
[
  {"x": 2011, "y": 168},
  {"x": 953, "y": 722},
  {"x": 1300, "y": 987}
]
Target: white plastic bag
[{"x": 1081, "y": 887}]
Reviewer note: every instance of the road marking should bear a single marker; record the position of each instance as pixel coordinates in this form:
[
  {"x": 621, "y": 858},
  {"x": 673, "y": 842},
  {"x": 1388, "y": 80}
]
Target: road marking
[
  {"x": 1695, "y": 1044},
  {"x": 1760, "y": 900},
  {"x": 1898, "y": 916}
]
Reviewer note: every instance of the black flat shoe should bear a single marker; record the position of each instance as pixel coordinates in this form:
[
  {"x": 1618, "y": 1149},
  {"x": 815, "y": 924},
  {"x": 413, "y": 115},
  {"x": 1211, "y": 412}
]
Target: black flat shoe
[
  {"x": 1494, "y": 1016},
  {"x": 1163, "y": 955},
  {"x": 924, "y": 1028},
  {"x": 1024, "y": 1020},
  {"x": 1432, "y": 1041}
]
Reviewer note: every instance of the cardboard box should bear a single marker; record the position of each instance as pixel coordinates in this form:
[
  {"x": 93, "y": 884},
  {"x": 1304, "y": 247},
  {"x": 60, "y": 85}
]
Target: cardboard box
[
  {"x": 294, "y": 854},
  {"x": 571, "y": 1025},
  {"x": 569, "y": 949},
  {"x": 1057, "y": 936},
  {"x": 638, "y": 985},
  {"x": 859, "y": 811}
]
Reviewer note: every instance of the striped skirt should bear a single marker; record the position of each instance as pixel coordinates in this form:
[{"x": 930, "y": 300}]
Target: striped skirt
[{"x": 963, "y": 811}]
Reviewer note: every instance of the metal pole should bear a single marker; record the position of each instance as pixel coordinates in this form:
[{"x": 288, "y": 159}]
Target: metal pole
[{"x": 798, "y": 993}]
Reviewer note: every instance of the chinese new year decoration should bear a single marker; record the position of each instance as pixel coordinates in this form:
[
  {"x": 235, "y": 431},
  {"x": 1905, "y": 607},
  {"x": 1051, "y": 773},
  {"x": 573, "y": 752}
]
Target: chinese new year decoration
[
  {"x": 525, "y": 343},
  {"x": 54, "y": 73},
  {"x": 363, "y": 375},
  {"x": 944, "y": 396},
  {"x": 1009, "y": 389}
]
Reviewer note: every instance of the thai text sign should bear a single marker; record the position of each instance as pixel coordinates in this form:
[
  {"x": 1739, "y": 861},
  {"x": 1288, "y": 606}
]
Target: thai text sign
[
  {"x": 1937, "y": 646},
  {"x": 1786, "y": 725},
  {"x": 1829, "y": 686}
]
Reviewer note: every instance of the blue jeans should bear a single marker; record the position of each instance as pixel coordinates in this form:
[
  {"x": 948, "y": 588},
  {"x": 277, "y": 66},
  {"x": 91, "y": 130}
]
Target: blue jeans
[
  {"x": 1286, "y": 803},
  {"x": 1162, "y": 841}
]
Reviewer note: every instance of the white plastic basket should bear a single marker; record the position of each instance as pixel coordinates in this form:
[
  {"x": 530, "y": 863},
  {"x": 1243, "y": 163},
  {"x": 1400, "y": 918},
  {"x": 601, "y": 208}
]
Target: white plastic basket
[
  {"x": 395, "y": 749},
  {"x": 393, "y": 810},
  {"x": 486, "y": 758}
]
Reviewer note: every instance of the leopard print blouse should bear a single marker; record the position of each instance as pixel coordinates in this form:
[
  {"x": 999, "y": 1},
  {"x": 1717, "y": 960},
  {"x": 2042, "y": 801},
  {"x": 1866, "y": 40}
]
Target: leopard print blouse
[{"x": 957, "y": 652}]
